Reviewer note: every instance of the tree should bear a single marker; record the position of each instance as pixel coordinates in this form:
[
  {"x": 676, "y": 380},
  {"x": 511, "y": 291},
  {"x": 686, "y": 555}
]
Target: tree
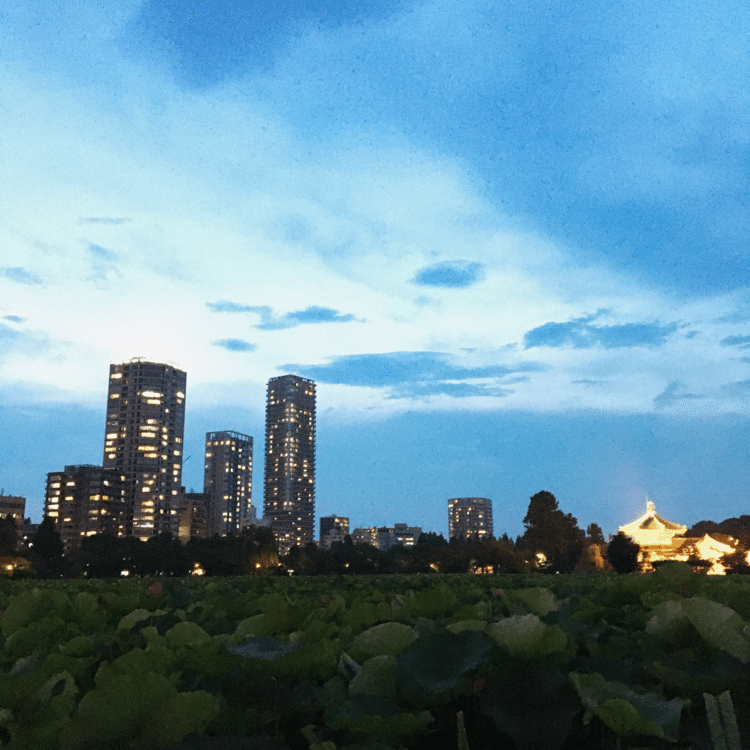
[
  {"x": 100, "y": 556},
  {"x": 553, "y": 533},
  {"x": 431, "y": 539},
  {"x": 8, "y": 536},
  {"x": 622, "y": 554},
  {"x": 594, "y": 534},
  {"x": 47, "y": 550},
  {"x": 736, "y": 562}
]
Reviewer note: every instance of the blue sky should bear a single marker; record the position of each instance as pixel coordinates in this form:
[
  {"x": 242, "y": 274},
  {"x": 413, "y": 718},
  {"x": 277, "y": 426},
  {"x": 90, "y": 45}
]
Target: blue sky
[{"x": 508, "y": 240}]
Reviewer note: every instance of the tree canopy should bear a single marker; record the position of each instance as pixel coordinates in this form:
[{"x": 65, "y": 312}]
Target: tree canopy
[{"x": 553, "y": 533}]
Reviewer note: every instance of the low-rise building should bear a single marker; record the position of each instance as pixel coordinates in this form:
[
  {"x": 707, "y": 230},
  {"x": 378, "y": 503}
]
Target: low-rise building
[
  {"x": 333, "y": 529},
  {"x": 193, "y": 517},
  {"x": 365, "y": 536},
  {"x": 83, "y": 500},
  {"x": 397, "y": 535}
]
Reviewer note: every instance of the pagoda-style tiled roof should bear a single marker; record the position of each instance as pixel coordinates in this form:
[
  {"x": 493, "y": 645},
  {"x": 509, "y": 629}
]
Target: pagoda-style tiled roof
[{"x": 654, "y": 523}]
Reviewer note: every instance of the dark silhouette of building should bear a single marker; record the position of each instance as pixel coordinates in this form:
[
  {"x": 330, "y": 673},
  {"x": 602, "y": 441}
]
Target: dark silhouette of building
[
  {"x": 83, "y": 500},
  {"x": 13, "y": 505},
  {"x": 144, "y": 442},
  {"x": 469, "y": 517},
  {"x": 193, "y": 517},
  {"x": 332, "y": 529},
  {"x": 289, "y": 481},
  {"x": 228, "y": 481}
]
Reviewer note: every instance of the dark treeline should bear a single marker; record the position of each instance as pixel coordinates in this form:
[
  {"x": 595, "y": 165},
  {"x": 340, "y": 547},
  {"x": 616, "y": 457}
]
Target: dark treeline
[{"x": 551, "y": 543}]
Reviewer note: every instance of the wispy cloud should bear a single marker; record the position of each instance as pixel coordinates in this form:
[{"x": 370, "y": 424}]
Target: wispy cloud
[
  {"x": 741, "y": 342},
  {"x": 272, "y": 322},
  {"x": 674, "y": 393},
  {"x": 582, "y": 334},
  {"x": 224, "y": 306},
  {"x": 104, "y": 220},
  {"x": 738, "y": 390},
  {"x": 103, "y": 261},
  {"x": 454, "y": 390},
  {"x": 411, "y": 374},
  {"x": 13, "y": 342},
  {"x": 453, "y": 274},
  {"x": 14, "y": 318},
  {"x": 235, "y": 345},
  {"x": 20, "y": 275}
]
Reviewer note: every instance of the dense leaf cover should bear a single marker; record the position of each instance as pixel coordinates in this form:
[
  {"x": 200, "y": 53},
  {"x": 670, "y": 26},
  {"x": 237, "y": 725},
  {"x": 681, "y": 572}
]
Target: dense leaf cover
[{"x": 370, "y": 663}]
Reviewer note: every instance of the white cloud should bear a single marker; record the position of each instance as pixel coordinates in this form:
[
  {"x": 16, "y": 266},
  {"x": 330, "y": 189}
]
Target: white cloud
[{"x": 225, "y": 200}]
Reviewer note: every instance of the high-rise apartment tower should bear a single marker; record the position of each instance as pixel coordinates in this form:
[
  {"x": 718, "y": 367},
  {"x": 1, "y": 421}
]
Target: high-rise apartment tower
[
  {"x": 470, "y": 517},
  {"x": 289, "y": 482},
  {"x": 144, "y": 434},
  {"x": 227, "y": 481}
]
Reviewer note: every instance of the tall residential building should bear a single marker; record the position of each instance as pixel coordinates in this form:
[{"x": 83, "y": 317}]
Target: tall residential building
[
  {"x": 289, "y": 482},
  {"x": 228, "y": 481},
  {"x": 145, "y": 424},
  {"x": 83, "y": 500},
  {"x": 469, "y": 517}
]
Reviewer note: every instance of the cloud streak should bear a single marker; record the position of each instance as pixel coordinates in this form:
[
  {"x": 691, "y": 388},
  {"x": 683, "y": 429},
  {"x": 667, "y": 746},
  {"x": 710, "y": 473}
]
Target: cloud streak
[
  {"x": 269, "y": 321},
  {"x": 235, "y": 345},
  {"x": 113, "y": 220},
  {"x": 741, "y": 342},
  {"x": 580, "y": 333},
  {"x": 454, "y": 274},
  {"x": 411, "y": 374},
  {"x": 21, "y": 276}
]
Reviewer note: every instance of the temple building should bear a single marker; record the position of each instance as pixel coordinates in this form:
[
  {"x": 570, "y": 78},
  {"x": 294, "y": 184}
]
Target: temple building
[{"x": 660, "y": 540}]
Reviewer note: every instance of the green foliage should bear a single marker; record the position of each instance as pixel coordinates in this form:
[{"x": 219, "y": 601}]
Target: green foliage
[
  {"x": 380, "y": 662},
  {"x": 622, "y": 553},
  {"x": 554, "y": 534},
  {"x": 722, "y": 722},
  {"x": 527, "y": 637}
]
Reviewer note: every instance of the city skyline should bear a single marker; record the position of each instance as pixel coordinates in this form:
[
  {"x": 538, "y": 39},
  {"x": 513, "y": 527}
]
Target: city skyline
[{"x": 507, "y": 241}]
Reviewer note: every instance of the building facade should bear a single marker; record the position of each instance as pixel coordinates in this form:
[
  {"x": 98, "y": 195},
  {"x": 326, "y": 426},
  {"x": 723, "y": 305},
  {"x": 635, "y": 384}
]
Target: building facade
[
  {"x": 228, "y": 482},
  {"x": 398, "y": 535},
  {"x": 83, "y": 500},
  {"x": 193, "y": 517},
  {"x": 144, "y": 442},
  {"x": 333, "y": 529},
  {"x": 289, "y": 481},
  {"x": 470, "y": 518},
  {"x": 365, "y": 536},
  {"x": 661, "y": 540},
  {"x": 13, "y": 505}
]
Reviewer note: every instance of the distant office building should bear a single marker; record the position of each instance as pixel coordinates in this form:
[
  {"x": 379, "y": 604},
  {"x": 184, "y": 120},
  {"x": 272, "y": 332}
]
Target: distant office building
[
  {"x": 13, "y": 505},
  {"x": 469, "y": 518},
  {"x": 289, "y": 481},
  {"x": 333, "y": 529},
  {"x": 144, "y": 434},
  {"x": 83, "y": 500},
  {"x": 193, "y": 517},
  {"x": 365, "y": 536},
  {"x": 397, "y": 535},
  {"x": 228, "y": 482}
]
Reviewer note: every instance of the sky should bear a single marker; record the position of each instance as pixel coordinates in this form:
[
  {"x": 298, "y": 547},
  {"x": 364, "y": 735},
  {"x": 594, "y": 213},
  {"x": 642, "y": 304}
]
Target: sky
[{"x": 508, "y": 241}]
